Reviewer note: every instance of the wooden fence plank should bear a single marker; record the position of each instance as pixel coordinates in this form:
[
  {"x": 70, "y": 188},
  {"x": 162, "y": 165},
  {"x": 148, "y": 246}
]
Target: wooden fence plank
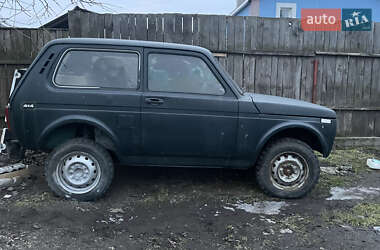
[
  {"x": 367, "y": 81},
  {"x": 141, "y": 27},
  {"x": 239, "y": 34},
  {"x": 259, "y": 34},
  {"x": 304, "y": 73},
  {"x": 238, "y": 69},
  {"x": 108, "y": 25},
  {"x": 321, "y": 79},
  {"x": 270, "y": 34},
  {"x": 340, "y": 125},
  {"x": 195, "y": 30},
  {"x": 187, "y": 29},
  {"x": 309, "y": 79},
  {"x": 308, "y": 41},
  {"x": 352, "y": 75},
  {"x": 341, "y": 38},
  {"x": 98, "y": 28},
  {"x": 124, "y": 24},
  {"x": 178, "y": 38},
  {"x": 376, "y": 38},
  {"x": 284, "y": 34},
  {"x": 204, "y": 31},
  {"x": 338, "y": 82},
  {"x": 230, "y": 33},
  {"x": 246, "y": 70},
  {"x": 297, "y": 78},
  {"x": 251, "y": 33},
  {"x": 116, "y": 28},
  {"x": 152, "y": 27},
  {"x": 330, "y": 80},
  {"x": 222, "y": 33},
  {"x": 377, "y": 124},
  {"x": 319, "y": 40},
  {"x": 260, "y": 67},
  {"x": 230, "y": 65},
  {"x": 375, "y": 85},
  {"x": 358, "y": 81},
  {"x": 345, "y": 126},
  {"x": 273, "y": 75},
  {"x": 214, "y": 33},
  {"x": 287, "y": 84},
  {"x": 160, "y": 28},
  {"x": 74, "y": 21},
  {"x": 85, "y": 24},
  {"x": 295, "y": 34},
  {"x": 251, "y": 65},
  {"x": 280, "y": 75}
]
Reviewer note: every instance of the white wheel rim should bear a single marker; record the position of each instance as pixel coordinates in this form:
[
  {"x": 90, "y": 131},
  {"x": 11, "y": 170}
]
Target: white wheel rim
[
  {"x": 289, "y": 171},
  {"x": 78, "y": 173}
]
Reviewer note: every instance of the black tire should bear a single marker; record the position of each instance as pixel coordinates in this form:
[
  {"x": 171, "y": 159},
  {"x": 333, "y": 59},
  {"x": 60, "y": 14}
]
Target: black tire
[
  {"x": 279, "y": 165},
  {"x": 79, "y": 159}
]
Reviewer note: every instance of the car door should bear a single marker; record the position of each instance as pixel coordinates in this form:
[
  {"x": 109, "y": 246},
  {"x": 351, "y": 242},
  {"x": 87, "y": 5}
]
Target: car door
[{"x": 189, "y": 114}]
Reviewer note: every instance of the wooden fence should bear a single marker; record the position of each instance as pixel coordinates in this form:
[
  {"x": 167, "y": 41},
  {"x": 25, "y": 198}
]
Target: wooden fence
[{"x": 268, "y": 55}]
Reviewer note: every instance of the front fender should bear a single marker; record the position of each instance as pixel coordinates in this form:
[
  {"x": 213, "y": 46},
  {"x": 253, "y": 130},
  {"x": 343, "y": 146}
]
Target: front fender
[
  {"x": 291, "y": 125},
  {"x": 75, "y": 119}
]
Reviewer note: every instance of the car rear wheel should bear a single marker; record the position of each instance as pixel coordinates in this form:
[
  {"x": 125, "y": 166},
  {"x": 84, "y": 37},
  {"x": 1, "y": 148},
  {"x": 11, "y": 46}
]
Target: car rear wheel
[
  {"x": 79, "y": 169},
  {"x": 287, "y": 168}
]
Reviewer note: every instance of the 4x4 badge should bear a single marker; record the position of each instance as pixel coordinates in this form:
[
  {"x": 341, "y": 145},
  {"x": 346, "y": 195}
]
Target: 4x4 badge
[{"x": 28, "y": 106}]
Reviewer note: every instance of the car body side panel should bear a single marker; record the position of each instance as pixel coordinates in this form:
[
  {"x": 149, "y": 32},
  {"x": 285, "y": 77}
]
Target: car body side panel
[
  {"x": 119, "y": 109},
  {"x": 189, "y": 129},
  {"x": 256, "y": 129}
]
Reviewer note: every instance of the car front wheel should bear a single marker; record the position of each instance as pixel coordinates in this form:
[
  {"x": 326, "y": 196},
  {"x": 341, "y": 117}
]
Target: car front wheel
[
  {"x": 79, "y": 169},
  {"x": 287, "y": 168}
]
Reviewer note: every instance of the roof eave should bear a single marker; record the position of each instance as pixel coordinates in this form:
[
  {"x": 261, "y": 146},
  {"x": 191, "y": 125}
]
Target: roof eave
[{"x": 240, "y": 7}]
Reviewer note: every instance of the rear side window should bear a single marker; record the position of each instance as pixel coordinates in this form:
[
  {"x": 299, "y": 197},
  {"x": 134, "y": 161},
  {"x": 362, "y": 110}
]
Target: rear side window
[
  {"x": 101, "y": 69},
  {"x": 181, "y": 74}
]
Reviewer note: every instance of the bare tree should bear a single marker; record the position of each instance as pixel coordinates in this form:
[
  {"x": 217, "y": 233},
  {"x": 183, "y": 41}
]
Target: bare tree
[{"x": 38, "y": 10}]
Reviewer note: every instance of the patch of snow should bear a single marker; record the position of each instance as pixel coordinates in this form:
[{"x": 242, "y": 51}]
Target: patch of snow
[
  {"x": 373, "y": 164},
  {"x": 286, "y": 231},
  {"x": 116, "y": 210},
  {"x": 348, "y": 228},
  {"x": 229, "y": 208},
  {"x": 268, "y": 232},
  {"x": 354, "y": 193},
  {"x": 270, "y": 221},
  {"x": 264, "y": 207}
]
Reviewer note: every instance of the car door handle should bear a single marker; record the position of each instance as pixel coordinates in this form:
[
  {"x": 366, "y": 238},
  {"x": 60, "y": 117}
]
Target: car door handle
[{"x": 154, "y": 101}]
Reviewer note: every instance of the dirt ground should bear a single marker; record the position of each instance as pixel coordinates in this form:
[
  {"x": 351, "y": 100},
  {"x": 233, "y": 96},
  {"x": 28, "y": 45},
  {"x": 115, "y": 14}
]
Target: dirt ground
[{"x": 148, "y": 208}]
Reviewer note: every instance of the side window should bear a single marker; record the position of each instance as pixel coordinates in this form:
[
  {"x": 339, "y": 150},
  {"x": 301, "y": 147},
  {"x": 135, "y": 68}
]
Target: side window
[
  {"x": 184, "y": 74},
  {"x": 102, "y": 69}
]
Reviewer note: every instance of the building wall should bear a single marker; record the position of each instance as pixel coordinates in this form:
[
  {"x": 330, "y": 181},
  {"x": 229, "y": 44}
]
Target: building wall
[
  {"x": 268, "y": 7},
  {"x": 245, "y": 11}
]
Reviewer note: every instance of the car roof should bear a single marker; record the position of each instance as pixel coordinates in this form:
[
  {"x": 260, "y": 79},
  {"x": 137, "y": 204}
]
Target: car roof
[{"x": 132, "y": 43}]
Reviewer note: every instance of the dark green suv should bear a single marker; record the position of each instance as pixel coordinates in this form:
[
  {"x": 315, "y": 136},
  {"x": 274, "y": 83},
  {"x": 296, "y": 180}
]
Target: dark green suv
[{"x": 94, "y": 102}]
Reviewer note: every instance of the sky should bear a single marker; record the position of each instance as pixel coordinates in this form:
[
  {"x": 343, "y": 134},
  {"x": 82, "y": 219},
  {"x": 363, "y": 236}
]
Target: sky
[{"x": 20, "y": 19}]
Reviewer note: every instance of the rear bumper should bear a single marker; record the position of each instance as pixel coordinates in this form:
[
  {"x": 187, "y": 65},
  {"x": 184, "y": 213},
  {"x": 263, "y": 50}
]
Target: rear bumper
[{"x": 12, "y": 146}]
